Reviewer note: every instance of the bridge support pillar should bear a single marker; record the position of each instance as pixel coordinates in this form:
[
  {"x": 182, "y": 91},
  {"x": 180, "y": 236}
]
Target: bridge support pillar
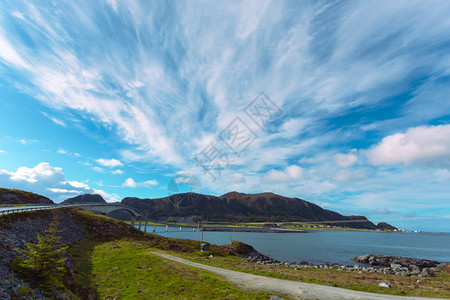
[
  {"x": 133, "y": 221},
  {"x": 140, "y": 223},
  {"x": 167, "y": 228},
  {"x": 145, "y": 226},
  {"x": 154, "y": 227}
]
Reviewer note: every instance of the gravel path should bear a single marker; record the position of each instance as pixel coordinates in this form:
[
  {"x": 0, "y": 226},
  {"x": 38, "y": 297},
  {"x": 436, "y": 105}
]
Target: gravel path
[{"x": 295, "y": 289}]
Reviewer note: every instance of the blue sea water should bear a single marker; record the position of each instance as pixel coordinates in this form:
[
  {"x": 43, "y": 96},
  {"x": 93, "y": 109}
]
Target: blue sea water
[{"x": 321, "y": 246}]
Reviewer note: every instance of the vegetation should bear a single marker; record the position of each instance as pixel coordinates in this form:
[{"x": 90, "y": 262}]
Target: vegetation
[
  {"x": 437, "y": 287},
  {"x": 43, "y": 262},
  {"x": 117, "y": 261},
  {"x": 21, "y": 197},
  {"x": 124, "y": 269}
]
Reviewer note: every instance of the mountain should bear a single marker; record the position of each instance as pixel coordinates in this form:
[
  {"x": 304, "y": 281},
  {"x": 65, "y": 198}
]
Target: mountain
[
  {"x": 240, "y": 207},
  {"x": 86, "y": 198},
  {"x": 13, "y": 196}
]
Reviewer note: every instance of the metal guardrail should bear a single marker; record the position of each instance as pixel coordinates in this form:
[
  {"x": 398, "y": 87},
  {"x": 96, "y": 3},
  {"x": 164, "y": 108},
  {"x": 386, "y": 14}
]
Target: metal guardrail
[
  {"x": 25, "y": 204},
  {"x": 34, "y": 207}
]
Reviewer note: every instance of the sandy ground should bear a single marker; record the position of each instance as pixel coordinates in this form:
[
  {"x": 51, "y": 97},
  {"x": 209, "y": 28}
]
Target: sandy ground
[{"x": 295, "y": 289}]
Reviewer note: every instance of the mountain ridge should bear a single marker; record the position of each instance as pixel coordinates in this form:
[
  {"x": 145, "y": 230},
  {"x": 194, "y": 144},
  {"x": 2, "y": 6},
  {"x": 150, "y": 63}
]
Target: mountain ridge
[{"x": 240, "y": 207}]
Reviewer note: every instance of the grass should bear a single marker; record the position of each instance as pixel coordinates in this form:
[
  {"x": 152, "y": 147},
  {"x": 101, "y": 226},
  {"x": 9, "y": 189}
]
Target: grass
[
  {"x": 124, "y": 269},
  {"x": 223, "y": 257}
]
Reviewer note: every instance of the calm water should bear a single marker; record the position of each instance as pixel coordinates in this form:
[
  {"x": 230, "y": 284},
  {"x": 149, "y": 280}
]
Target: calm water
[{"x": 320, "y": 246}]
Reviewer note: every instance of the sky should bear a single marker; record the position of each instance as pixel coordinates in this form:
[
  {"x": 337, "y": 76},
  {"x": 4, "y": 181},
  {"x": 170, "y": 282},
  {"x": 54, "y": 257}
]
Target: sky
[{"x": 341, "y": 103}]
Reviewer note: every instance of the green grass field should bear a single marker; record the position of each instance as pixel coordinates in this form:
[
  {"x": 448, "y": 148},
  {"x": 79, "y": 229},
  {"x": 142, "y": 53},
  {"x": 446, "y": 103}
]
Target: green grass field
[{"x": 124, "y": 269}]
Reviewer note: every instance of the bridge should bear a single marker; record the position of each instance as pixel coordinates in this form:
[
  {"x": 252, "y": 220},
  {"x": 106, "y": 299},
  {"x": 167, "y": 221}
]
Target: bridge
[{"x": 104, "y": 208}]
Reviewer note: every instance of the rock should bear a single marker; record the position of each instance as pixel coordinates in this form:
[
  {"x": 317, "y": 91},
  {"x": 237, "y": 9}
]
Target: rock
[
  {"x": 414, "y": 272},
  {"x": 395, "y": 266},
  {"x": 418, "y": 281},
  {"x": 386, "y": 260},
  {"x": 385, "y": 285},
  {"x": 427, "y": 272}
]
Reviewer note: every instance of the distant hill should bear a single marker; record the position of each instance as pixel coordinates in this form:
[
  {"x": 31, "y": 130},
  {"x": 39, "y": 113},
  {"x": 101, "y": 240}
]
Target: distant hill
[
  {"x": 240, "y": 207},
  {"x": 13, "y": 196},
  {"x": 385, "y": 226},
  {"x": 86, "y": 198}
]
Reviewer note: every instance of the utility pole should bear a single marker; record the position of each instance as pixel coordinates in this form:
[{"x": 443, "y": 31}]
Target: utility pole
[
  {"x": 198, "y": 228},
  {"x": 202, "y": 231}
]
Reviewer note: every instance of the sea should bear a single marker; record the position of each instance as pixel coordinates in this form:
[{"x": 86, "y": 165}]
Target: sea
[{"x": 323, "y": 246}]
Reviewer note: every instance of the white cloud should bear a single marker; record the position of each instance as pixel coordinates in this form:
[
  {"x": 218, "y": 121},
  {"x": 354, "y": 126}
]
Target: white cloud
[
  {"x": 350, "y": 175},
  {"x": 43, "y": 172},
  {"x": 383, "y": 211},
  {"x": 58, "y": 121},
  {"x": 78, "y": 184},
  {"x": 113, "y": 4},
  {"x": 290, "y": 173},
  {"x": 293, "y": 127},
  {"x": 129, "y": 182},
  {"x": 98, "y": 169},
  {"x": 48, "y": 181},
  {"x": 18, "y": 15},
  {"x": 294, "y": 171},
  {"x": 64, "y": 191},
  {"x": 115, "y": 172},
  {"x": 345, "y": 160},
  {"x": 26, "y": 141},
  {"x": 150, "y": 182},
  {"x": 61, "y": 151},
  {"x": 429, "y": 145},
  {"x": 2, "y": 151},
  {"x": 108, "y": 197},
  {"x": 109, "y": 162}
]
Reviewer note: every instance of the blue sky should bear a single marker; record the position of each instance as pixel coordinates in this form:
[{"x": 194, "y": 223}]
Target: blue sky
[{"x": 343, "y": 103}]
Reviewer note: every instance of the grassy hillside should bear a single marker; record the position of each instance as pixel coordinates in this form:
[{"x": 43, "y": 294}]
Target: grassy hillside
[
  {"x": 13, "y": 196},
  {"x": 110, "y": 258},
  {"x": 125, "y": 269}
]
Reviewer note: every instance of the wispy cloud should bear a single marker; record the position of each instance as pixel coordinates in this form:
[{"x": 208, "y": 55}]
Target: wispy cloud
[
  {"x": 358, "y": 83},
  {"x": 109, "y": 162},
  {"x": 129, "y": 182}
]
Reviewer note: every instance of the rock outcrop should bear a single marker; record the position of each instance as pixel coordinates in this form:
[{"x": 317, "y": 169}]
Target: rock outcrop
[
  {"x": 395, "y": 261},
  {"x": 402, "y": 266}
]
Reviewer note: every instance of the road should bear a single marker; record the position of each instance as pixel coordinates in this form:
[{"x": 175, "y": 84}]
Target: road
[
  {"x": 7, "y": 210},
  {"x": 295, "y": 289}
]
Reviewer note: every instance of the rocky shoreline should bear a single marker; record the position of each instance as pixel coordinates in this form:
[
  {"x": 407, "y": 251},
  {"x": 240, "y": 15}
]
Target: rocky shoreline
[{"x": 396, "y": 265}]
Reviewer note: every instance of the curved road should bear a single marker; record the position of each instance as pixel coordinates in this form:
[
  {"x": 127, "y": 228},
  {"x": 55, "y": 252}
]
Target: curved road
[{"x": 295, "y": 289}]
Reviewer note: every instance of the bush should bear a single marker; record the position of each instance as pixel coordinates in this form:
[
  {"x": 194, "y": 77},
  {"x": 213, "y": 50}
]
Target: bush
[{"x": 43, "y": 262}]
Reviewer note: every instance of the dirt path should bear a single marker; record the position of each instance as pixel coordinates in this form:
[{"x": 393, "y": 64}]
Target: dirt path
[{"x": 295, "y": 289}]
